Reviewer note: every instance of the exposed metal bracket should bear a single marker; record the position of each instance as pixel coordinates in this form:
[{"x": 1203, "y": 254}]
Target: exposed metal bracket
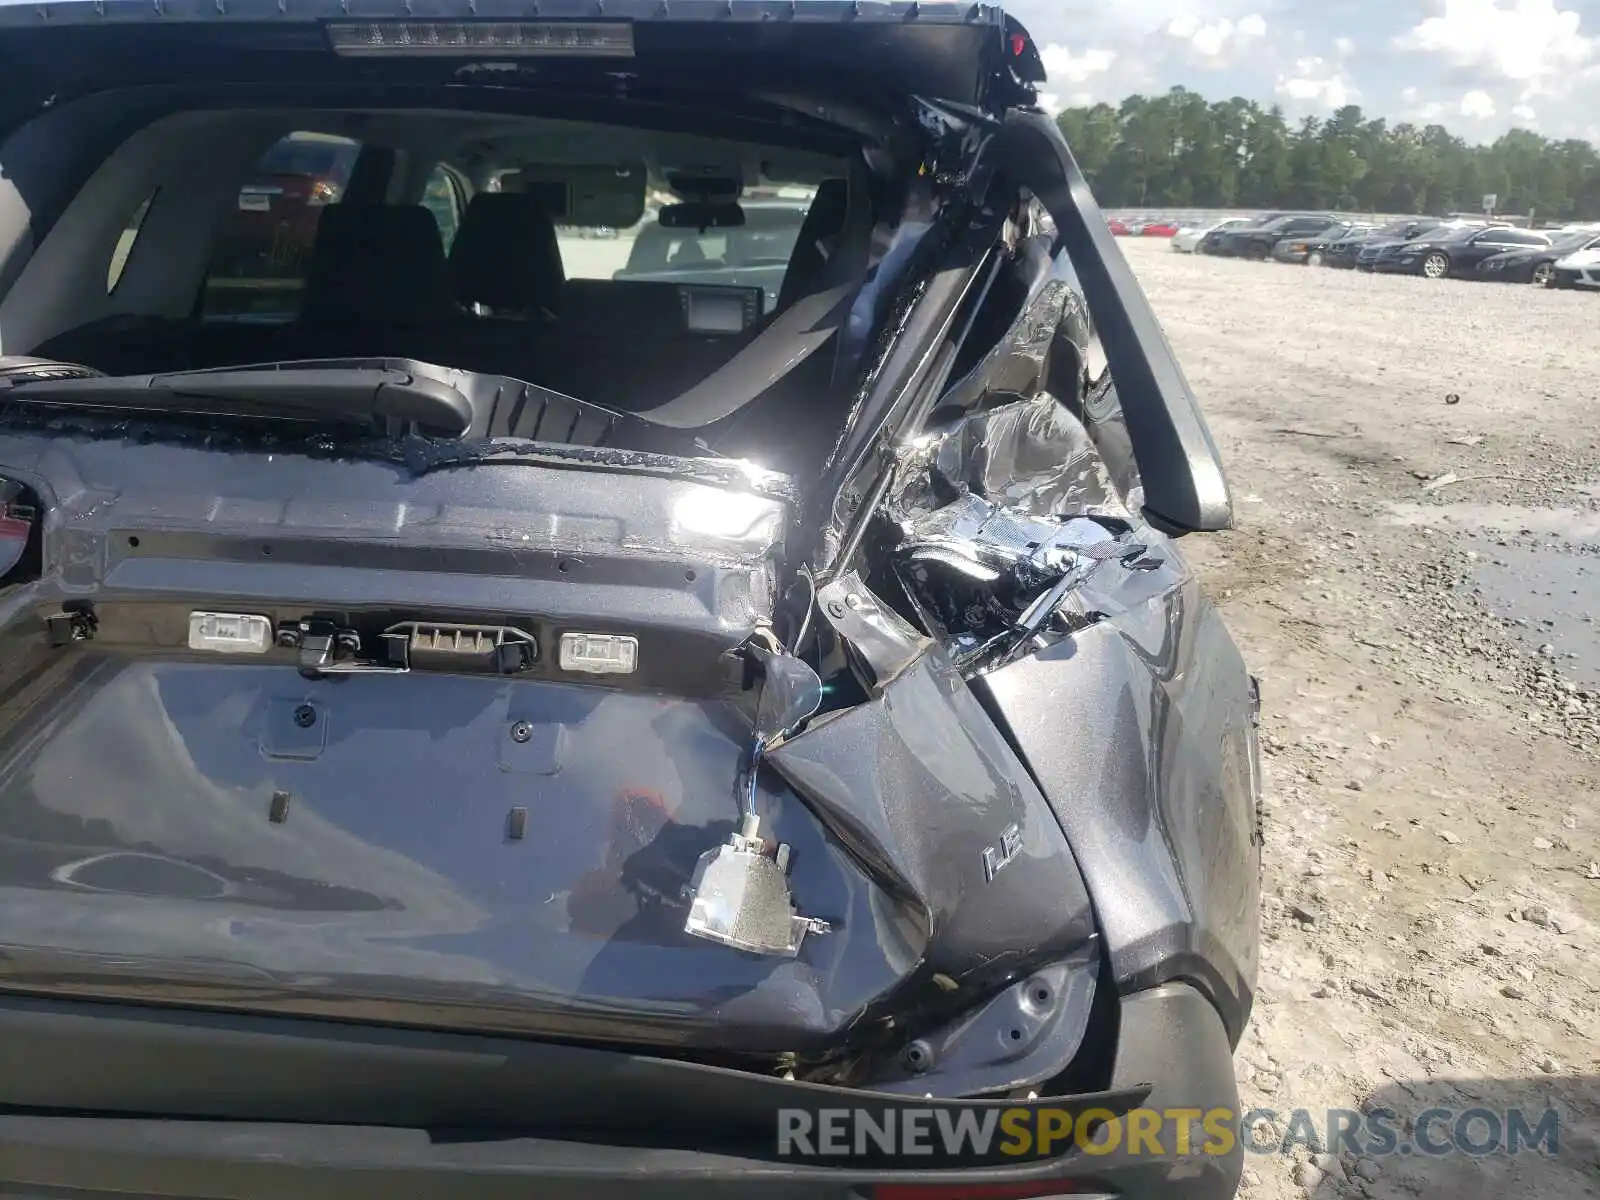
[{"x": 884, "y": 642}]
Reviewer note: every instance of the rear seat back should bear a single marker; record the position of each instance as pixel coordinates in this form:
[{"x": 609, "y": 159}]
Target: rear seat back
[
  {"x": 375, "y": 282},
  {"x": 506, "y": 257},
  {"x": 376, "y": 263}
]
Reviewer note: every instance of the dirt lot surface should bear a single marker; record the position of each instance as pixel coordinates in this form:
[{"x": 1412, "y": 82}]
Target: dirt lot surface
[{"x": 1416, "y": 578}]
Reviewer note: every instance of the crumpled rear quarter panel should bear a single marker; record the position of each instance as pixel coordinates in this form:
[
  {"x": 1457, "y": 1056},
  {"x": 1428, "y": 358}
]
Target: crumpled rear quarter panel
[{"x": 1141, "y": 731}]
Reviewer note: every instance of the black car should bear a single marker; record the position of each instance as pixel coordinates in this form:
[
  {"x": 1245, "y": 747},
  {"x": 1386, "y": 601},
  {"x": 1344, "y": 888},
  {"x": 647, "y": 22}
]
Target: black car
[
  {"x": 1212, "y": 240},
  {"x": 1344, "y": 251},
  {"x": 1257, "y": 241},
  {"x": 1401, "y": 232},
  {"x": 1453, "y": 252},
  {"x": 1338, "y": 250},
  {"x": 1312, "y": 249},
  {"x": 1536, "y": 264},
  {"x": 502, "y": 728}
]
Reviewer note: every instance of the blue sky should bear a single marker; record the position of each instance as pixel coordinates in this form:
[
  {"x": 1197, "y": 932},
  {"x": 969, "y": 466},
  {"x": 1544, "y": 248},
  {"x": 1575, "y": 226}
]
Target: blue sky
[{"x": 1478, "y": 67}]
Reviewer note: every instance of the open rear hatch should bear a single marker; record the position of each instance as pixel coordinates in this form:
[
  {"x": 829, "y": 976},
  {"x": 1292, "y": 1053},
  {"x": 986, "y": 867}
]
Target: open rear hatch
[
  {"x": 450, "y": 747},
  {"x": 478, "y": 745}
]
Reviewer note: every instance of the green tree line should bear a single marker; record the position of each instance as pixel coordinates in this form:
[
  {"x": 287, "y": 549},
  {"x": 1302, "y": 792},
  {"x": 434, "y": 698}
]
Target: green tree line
[{"x": 1183, "y": 151}]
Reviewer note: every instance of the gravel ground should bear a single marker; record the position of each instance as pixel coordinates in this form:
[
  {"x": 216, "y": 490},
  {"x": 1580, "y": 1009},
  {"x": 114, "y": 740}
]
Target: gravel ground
[{"x": 1416, "y": 578}]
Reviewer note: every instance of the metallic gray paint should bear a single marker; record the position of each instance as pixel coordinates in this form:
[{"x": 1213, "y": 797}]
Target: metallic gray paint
[
  {"x": 916, "y": 783},
  {"x": 1140, "y": 730},
  {"x": 138, "y": 859}
]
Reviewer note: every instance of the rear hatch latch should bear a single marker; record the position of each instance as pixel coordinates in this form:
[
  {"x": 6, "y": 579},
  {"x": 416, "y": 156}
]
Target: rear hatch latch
[{"x": 327, "y": 648}]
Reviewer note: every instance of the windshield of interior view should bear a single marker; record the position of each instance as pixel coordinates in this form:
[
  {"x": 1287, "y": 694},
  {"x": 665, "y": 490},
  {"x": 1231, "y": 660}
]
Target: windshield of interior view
[
  {"x": 1571, "y": 241},
  {"x": 755, "y": 253}
]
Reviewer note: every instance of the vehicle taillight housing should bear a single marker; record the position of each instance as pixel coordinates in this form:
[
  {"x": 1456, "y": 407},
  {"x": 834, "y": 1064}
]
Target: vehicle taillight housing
[{"x": 18, "y": 517}]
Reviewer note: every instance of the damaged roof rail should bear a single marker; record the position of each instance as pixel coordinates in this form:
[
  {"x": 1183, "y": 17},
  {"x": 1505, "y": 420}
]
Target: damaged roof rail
[{"x": 912, "y": 375}]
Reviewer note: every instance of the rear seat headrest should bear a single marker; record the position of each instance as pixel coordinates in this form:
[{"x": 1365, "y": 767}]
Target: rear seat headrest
[
  {"x": 506, "y": 256},
  {"x": 379, "y": 263}
]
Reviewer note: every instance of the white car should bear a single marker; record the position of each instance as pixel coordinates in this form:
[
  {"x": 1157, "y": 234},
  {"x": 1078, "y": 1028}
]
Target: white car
[
  {"x": 1580, "y": 269},
  {"x": 1187, "y": 238}
]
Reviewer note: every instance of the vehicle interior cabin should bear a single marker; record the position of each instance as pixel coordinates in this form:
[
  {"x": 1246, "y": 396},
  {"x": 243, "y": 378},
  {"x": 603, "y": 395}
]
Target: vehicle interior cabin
[{"x": 476, "y": 241}]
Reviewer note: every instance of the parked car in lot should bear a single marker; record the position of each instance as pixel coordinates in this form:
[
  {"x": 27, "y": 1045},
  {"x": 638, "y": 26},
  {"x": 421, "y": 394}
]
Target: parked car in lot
[
  {"x": 1310, "y": 249},
  {"x": 1257, "y": 241},
  {"x": 497, "y": 728},
  {"x": 1187, "y": 239},
  {"x": 272, "y": 221},
  {"x": 1118, "y": 227},
  {"x": 1581, "y": 269},
  {"x": 1159, "y": 229},
  {"x": 1344, "y": 253},
  {"x": 1402, "y": 232},
  {"x": 1454, "y": 251},
  {"x": 1536, "y": 264},
  {"x": 1339, "y": 249}
]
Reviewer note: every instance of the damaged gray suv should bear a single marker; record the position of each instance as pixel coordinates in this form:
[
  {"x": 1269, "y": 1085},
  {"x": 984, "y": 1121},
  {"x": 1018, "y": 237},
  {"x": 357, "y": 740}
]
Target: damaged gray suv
[{"x": 473, "y": 725}]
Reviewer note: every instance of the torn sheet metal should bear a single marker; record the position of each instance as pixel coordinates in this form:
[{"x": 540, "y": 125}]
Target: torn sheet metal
[
  {"x": 1004, "y": 516},
  {"x": 1032, "y": 456}
]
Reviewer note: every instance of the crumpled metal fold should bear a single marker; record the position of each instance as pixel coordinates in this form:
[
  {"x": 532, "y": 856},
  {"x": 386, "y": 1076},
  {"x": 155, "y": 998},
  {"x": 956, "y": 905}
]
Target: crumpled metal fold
[
  {"x": 1002, "y": 515},
  {"x": 1033, "y": 457}
]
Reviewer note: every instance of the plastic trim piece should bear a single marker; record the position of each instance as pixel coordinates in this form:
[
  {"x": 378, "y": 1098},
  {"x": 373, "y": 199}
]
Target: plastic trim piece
[{"x": 127, "y": 1062}]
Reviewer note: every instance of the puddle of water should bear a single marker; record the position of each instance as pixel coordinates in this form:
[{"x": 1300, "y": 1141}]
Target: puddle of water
[
  {"x": 1571, "y": 523},
  {"x": 1548, "y": 593},
  {"x": 1556, "y": 590}
]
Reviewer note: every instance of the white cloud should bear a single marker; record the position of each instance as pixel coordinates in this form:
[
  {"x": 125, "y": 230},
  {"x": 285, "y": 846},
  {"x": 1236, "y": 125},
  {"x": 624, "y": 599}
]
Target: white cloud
[
  {"x": 1533, "y": 54},
  {"x": 1526, "y": 41},
  {"x": 1063, "y": 66},
  {"x": 1218, "y": 42},
  {"x": 1314, "y": 85},
  {"x": 1523, "y": 113},
  {"x": 1477, "y": 105}
]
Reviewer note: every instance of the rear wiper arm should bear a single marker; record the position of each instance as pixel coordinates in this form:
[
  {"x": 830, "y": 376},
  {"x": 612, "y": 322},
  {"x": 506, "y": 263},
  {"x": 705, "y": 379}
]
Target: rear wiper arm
[{"x": 357, "y": 391}]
